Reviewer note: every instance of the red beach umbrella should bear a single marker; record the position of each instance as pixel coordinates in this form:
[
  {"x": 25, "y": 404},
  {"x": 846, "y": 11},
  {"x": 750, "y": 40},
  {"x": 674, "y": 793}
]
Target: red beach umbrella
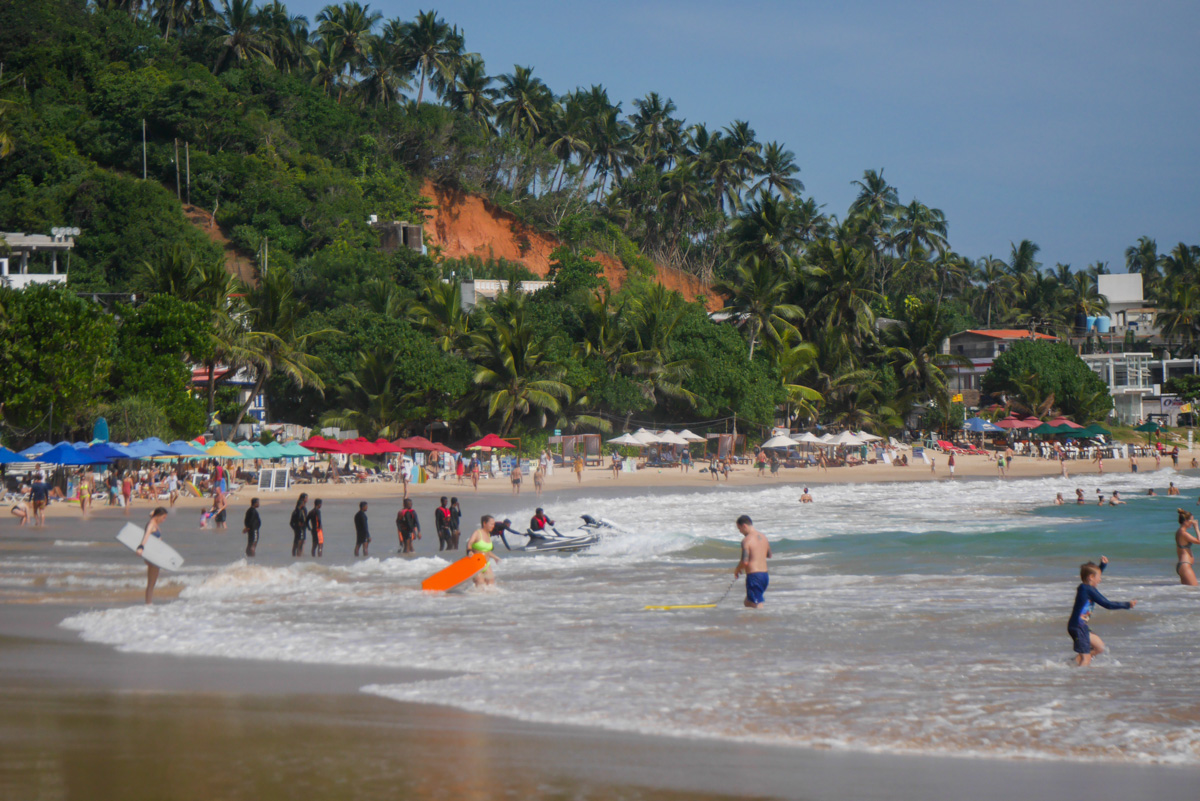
[
  {"x": 322, "y": 445},
  {"x": 383, "y": 446},
  {"x": 490, "y": 441},
  {"x": 360, "y": 446},
  {"x": 420, "y": 444},
  {"x": 1062, "y": 421},
  {"x": 1010, "y": 422}
]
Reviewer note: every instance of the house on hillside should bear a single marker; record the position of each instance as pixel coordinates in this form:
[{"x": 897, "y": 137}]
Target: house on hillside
[
  {"x": 33, "y": 258},
  {"x": 481, "y": 289},
  {"x": 981, "y": 346},
  {"x": 244, "y": 380}
]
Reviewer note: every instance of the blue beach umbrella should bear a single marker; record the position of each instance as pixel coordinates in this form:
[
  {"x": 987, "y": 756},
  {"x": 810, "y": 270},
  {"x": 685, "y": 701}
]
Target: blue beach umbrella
[
  {"x": 181, "y": 448},
  {"x": 8, "y": 457},
  {"x": 978, "y": 425},
  {"x": 35, "y": 450},
  {"x": 106, "y": 452},
  {"x": 66, "y": 454}
]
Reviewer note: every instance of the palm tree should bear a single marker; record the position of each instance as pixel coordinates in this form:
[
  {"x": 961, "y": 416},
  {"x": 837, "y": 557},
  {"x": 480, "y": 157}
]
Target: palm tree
[
  {"x": 769, "y": 228},
  {"x": 273, "y": 312},
  {"x": 777, "y": 168},
  {"x": 757, "y": 294},
  {"x": 997, "y": 286},
  {"x": 1179, "y": 319},
  {"x": 1023, "y": 265},
  {"x": 326, "y": 65},
  {"x": 286, "y": 36},
  {"x": 169, "y": 15},
  {"x": 795, "y": 360},
  {"x": 381, "y": 82},
  {"x": 917, "y": 225},
  {"x": 440, "y": 313},
  {"x": 237, "y": 35},
  {"x": 526, "y": 104},
  {"x": 874, "y": 195},
  {"x": 350, "y": 27},
  {"x": 1144, "y": 258},
  {"x": 471, "y": 93},
  {"x": 429, "y": 45},
  {"x": 368, "y": 397},
  {"x": 176, "y": 273},
  {"x": 567, "y": 133},
  {"x": 606, "y": 330},
  {"x": 656, "y": 133},
  {"x": 837, "y": 276},
  {"x": 220, "y": 293},
  {"x": 915, "y": 349}
]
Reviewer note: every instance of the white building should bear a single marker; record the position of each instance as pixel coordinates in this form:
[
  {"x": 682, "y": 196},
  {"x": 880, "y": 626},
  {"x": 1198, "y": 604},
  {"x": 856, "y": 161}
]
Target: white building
[
  {"x": 480, "y": 289},
  {"x": 1129, "y": 378},
  {"x": 981, "y": 347},
  {"x": 18, "y": 270}
]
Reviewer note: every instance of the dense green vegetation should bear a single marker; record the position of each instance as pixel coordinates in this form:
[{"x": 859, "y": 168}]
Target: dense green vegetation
[{"x": 291, "y": 132}]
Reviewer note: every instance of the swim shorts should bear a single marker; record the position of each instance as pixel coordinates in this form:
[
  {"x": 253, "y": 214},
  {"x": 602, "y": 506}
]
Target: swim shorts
[
  {"x": 756, "y": 585},
  {"x": 1082, "y": 637},
  {"x": 1133, "y": 468}
]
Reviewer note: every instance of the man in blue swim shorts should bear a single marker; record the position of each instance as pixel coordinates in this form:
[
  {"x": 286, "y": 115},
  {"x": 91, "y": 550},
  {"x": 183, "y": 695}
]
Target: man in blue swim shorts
[{"x": 755, "y": 553}]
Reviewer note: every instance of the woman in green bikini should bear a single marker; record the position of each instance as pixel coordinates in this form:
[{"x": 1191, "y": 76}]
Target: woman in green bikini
[{"x": 481, "y": 542}]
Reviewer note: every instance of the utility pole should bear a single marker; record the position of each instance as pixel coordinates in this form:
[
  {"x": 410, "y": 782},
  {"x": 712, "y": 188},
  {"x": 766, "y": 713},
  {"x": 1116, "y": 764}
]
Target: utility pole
[
  {"x": 187, "y": 154},
  {"x": 143, "y": 148},
  {"x": 177, "y": 195}
]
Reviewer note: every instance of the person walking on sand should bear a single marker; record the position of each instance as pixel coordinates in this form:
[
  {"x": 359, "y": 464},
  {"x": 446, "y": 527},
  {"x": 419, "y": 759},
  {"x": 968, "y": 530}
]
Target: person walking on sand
[
  {"x": 153, "y": 529},
  {"x": 950, "y": 462},
  {"x": 1158, "y": 457},
  {"x": 362, "y": 534},
  {"x": 578, "y": 467},
  {"x": 539, "y": 477},
  {"x": 316, "y": 527},
  {"x": 1099, "y": 460},
  {"x": 514, "y": 475},
  {"x": 1087, "y": 644},
  {"x": 251, "y": 524},
  {"x": 84, "y": 491},
  {"x": 407, "y": 526},
  {"x": 299, "y": 524},
  {"x": 755, "y": 553},
  {"x": 685, "y": 461},
  {"x": 615, "y": 465},
  {"x": 459, "y": 469},
  {"x": 455, "y": 523},
  {"x": 404, "y": 478},
  {"x": 481, "y": 543},
  {"x": 39, "y": 499},
  {"x": 127, "y": 491},
  {"x": 1185, "y": 563},
  {"x": 475, "y": 473}
]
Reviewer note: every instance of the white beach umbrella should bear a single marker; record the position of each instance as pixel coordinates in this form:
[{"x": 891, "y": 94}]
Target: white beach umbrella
[
  {"x": 671, "y": 438},
  {"x": 865, "y": 437},
  {"x": 627, "y": 439},
  {"x": 808, "y": 437},
  {"x": 826, "y": 437},
  {"x": 845, "y": 438},
  {"x": 779, "y": 441},
  {"x": 690, "y": 437},
  {"x": 647, "y": 437}
]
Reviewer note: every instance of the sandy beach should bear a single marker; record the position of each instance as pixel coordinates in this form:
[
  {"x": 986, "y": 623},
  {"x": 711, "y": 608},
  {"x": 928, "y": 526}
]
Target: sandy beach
[{"x": 82, "y": 720}]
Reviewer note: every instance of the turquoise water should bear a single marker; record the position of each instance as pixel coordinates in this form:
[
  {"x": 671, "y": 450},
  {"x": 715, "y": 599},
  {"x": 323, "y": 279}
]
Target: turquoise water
[{"x": 905, "y": 618}]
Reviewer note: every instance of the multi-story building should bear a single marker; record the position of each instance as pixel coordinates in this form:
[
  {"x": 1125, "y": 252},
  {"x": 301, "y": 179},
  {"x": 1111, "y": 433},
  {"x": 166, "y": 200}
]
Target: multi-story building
[
  {"x": 33, "y": 258},
  {"x": 981, "y": 346}
]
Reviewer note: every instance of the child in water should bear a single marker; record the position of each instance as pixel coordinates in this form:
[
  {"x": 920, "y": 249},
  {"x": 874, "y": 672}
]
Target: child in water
[{"x": 1087, "y": 644}]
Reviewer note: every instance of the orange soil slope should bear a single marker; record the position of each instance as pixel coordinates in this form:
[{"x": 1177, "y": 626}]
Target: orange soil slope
[{"x": 467, "y": 225}]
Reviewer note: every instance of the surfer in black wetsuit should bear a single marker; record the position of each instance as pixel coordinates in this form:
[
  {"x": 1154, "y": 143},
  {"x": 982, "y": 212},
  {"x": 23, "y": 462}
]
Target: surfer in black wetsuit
[
  {"x": 316, "y": 526},
  {"x": 441, "y": 520},
  {"x": 455, "y": 521},
  {"x": 362, "y": 535},
  {"x": 299, "y": 523},
  {"x": 252, "y": 523}
]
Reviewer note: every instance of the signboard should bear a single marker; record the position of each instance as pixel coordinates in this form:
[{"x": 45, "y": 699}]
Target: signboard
[
  {"x": 957, "y": 398},
  {"x": 558, "y": 432},
  {"x": 270, "y": 480}
]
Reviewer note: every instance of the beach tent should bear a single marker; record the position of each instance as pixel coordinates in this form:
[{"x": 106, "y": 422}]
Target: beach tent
[
  {"x": 146, "y": 448},
  {"x": 689, "y": 436},
  {"x": 1093, "y": 431},
  {"x": 1045, "y": 430},
  {"x": 825, "y": 438},
  {"x": 294, "y": 450},
  {"x": 977, "y": 425},
  {"x": 647, "y": 437},
  {"x": 65, "y": 453},
  {"x": 627, "y": 439},
  {"x": 419, "y": 443},
  {"x": 439, "y": 447},
  {"x": 489, "y": 442},
  {"x": 181, "y": 448},
  {"x": 8, "y": 457},
  {"x": 779, "y": 441},
  {"x": 360, "y": 446},
  {"x": 223, "y": 450}
]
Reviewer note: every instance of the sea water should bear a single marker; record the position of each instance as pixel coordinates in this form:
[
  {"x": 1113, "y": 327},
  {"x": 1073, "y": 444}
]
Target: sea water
[{"x": 921, "y": 618}]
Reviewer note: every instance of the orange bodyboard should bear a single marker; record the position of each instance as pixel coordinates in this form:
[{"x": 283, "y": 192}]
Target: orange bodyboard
[{"x": 455, "y": 574}]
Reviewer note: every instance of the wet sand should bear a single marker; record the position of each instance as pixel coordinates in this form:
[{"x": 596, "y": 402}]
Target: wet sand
[{"x": 79, "y": 720}]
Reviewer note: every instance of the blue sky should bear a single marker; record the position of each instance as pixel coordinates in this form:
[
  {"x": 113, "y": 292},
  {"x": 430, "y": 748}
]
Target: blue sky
[{"x": 1073, "y": 124}]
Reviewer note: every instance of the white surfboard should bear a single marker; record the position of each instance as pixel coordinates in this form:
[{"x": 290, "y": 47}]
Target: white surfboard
[{"x": 156, "y": 552}]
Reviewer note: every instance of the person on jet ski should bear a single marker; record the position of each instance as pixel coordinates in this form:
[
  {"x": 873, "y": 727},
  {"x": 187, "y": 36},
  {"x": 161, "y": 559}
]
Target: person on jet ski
[
  {"x": 539, "y": 521},
  {"x": 500, "y": 528}
]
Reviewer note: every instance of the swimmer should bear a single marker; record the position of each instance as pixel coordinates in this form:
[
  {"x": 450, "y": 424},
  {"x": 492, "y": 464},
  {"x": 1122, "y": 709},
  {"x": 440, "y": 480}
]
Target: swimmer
[
  {"x": 1152, "y": 493},
  {"x": 481, "y": 542},
  {"x": 755, "y": 553},
  {"x": 1115, "y": 500},
  {"x": 1079, "y": 496},
  {"x": 806, "y": 498},
  {"x": 1087, "y": 644},
  {"x": 153, "y": 528},
  {"x": 1184, "y": 561},
  {"x": 1099, "y": 500},
  {"x": 1172, "y": 490},
  {"x": 1058, "y": 500}
]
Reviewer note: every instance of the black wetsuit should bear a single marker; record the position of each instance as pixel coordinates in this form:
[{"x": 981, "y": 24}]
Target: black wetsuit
[
  {"x": 299, "y": 523},
  {"x": 362, "y": 535},
  {"x": 317, "y": 529},
  {"x": 499, "y": 529},
  {"x": 407, "y": 525},
  {"x": 455, "y": 519},
  {"x": 441, "y": 519},
  {"x": 252, "y": 522}
]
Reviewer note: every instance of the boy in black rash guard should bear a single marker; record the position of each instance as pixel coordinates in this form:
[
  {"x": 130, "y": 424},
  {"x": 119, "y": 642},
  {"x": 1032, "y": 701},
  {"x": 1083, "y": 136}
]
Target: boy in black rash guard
[
  {"x": 316, "y": 526},
  {"x": 406, "y": 526},
  {"x": 299, "y": 523},
  {"x": 441, "y": 521},
  {"x": 362, "y": 536},
  {"x": 252, "y": 523},
  {"x": 455, "y": 520},
  {"x": 1087, "y": 644}
]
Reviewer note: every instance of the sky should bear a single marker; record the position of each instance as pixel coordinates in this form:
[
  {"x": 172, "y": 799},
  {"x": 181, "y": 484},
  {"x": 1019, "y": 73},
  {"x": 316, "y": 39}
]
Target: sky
[{"x": 1073, "y": 124}]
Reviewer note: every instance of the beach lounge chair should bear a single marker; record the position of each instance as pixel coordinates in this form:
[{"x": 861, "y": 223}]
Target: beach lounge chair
[{"x": 949, "y": 447}]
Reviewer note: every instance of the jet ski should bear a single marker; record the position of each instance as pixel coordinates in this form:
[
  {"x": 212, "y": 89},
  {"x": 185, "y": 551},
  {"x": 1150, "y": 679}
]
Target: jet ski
[{"x": 552, "y": 540}]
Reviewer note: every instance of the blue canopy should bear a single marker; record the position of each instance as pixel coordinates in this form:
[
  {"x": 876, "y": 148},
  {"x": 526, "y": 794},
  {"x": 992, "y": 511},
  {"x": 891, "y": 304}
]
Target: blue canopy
[
  {"x": 65, "y": 453},
  {"x": 181, "y": 448},
  {"x": 146, "y": 448},
  {"x": 8, "y": 457},
  {"x": 105, "y": 452},
  {"x": 978, "y": 425},
  {"x": 35, "y": 450}
]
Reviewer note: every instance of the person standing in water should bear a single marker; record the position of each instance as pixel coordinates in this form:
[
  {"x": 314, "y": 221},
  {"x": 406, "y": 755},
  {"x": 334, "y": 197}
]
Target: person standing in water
[
  {"x": 316, "y": 526},
  {"x": 407, "y": 525},
  {"x": 455, "y": 523},
  {"x": 251, "y": 525},
  {"x": 755, "y": 553},
  {"x": 1172, "y": 490},
  {"x": 806, "y": 497},
  {"x": 299, "y": 524},
  {"x": 1185, "y": 563},
  {"x": 1087, "y": 644},
  {"x": 481, "y": 543},
  {"x": 153, "y": 529},
  {"x": 441, "y": 522},
  {"x": 362, "y": 534}
]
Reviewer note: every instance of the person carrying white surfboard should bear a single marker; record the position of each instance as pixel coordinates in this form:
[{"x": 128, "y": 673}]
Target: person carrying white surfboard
[{"x": 152, "y": 529}]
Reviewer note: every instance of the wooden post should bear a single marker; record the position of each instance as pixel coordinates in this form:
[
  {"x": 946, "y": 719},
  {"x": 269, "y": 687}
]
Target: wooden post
[
  {"x": 178, "y": 196},
  {"x": 143, "y": 148},
  {"x": 187, "y": 154}
]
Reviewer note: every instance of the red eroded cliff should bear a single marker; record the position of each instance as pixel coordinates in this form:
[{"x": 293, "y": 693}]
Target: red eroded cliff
[{"x": 468, "y": 225}]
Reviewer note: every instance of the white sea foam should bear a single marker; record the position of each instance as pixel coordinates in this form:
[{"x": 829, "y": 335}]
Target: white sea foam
[{"x": 910, "y": 618}]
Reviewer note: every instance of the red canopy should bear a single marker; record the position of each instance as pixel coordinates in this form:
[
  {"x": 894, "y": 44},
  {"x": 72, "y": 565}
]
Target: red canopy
[
  {"x": 360, "y": 446},
  {"x": 490, "y": 441},
  {"x": 322, "y": 445},
  {"x": 1016, "y": 422},
  {"x": 1062, "y": 421},
  {"x": 440, "y": 448},
  {"x": 383, "y": 446},
  {"x": 419, "y": 443},
  {"x": 402, "y": 443}
]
